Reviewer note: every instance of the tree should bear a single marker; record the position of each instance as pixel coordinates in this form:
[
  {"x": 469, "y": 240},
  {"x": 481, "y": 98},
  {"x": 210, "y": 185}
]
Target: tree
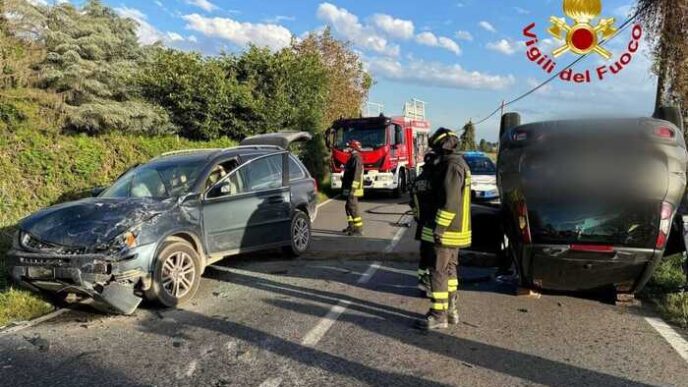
[
  {"x": 91, "y": 61},
  {"x": 347, "y": 87},
  {"x": 666, "y": 23},
  {"x": 468, "y": 137}
]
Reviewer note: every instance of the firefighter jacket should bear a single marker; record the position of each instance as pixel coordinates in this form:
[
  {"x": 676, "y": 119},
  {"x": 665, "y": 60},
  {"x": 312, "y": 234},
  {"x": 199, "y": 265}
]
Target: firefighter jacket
[
  {"x": 353, "y": 175},
  {"x": 451, "y": 183},
  {"x": 422, "y": 196}
]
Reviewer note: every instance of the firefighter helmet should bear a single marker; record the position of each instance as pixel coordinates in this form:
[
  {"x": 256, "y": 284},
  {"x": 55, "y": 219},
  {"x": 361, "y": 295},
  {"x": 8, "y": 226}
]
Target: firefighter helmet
[
  {"x": 355, "y": 145},
  {"x": 444, "y": 140}
]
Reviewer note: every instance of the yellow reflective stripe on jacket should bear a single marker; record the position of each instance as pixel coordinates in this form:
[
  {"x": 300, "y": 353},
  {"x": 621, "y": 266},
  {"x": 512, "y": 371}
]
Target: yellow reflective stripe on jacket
[
  {"x": 444, "y": 218},
  {"x": 466, "y": 202},
  {"x": 438, "y": 306},
  {"x": 453, "y": 282},
  {"x": 440, "y": 295}
]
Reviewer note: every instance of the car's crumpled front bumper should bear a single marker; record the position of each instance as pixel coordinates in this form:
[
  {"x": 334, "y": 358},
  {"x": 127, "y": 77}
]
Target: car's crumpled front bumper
[{"x": 109, "y": 279}]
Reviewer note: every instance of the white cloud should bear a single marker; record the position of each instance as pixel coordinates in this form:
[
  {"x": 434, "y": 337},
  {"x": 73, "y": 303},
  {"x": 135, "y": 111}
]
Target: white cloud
[
  {"x": 174, "y": 37},
  {"x": 463, "y": 35},
  {"x": 347, "y": 25},
  {"x": 522, "y": 11},
  {"x": 278, "y": 19},
  {"x": 429, "y": 39},
  {"x": 396, "y": 28},
  {"x": 487, "y": 26},
  {"x": 241, "y": 34},
  {"x": 202, "y": 4},
  {"x": 192, "y": 39},
  {"x": 146, "y": 33},
  {"x": 437, "y": 74},
  {"x": 504, "y": 46}
]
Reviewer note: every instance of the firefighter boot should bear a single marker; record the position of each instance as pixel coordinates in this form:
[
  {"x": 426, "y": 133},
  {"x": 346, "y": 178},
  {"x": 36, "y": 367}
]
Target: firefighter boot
[
  {"x": 350, "y": 227},
  {"x": 453, "y": 311},
  {"x": 434, "y": 321}
]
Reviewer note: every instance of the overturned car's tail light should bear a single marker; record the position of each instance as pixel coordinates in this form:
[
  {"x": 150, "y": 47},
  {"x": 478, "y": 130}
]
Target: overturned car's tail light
[
  {"x": 664, "y": 225},
  {"x": 522, "y": 213},
  {"x": 664, "y": 132}
]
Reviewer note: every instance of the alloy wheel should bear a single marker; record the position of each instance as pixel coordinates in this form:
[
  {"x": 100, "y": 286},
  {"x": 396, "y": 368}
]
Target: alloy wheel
[
  {"x": 178, "y": 274},
  {"x": 301, "y": 234}
]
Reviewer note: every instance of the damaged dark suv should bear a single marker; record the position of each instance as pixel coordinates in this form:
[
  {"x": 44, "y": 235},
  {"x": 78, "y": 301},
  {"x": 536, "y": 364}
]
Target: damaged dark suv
[{"x": 152, "y": 233}]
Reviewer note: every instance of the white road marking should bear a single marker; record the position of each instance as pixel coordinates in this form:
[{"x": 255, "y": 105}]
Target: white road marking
[
  {"x": 191, "y": 369},
  {"x": 316, "y": 334},
  {"x": 670, "y": 335},
  {"x": 272, "y": 382},
  {"x": 326, "y": 201},
  {"x": 36, "y": 321},
  {"x": 397, "y": 237}
]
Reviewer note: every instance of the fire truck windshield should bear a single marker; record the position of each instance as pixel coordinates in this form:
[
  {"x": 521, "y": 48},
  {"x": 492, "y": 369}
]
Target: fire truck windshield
[{"x": 369, "y": 137}]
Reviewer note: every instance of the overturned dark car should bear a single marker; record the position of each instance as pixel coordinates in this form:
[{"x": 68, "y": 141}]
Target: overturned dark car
[
  {"x": 153, "y": 231},
  {"x": 589, "y": 204}
]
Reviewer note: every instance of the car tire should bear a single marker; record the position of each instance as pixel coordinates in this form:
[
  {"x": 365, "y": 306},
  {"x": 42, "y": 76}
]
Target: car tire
[
  {"x": 299, "y": 234},
  {"x": 176, "y": 275},
  {"x": 509, "y": 121}
]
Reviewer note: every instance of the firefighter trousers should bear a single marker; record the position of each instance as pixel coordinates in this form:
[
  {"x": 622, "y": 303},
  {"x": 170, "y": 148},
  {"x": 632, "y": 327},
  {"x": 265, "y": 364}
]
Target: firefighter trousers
[
  {"x": 444, "y": 280},
  {"x": 427, "y": 259},
  {"x": 353, "y": 217}
]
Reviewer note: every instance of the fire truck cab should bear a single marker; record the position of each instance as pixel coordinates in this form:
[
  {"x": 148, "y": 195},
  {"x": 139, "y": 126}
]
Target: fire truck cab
[{"x": 393, "y": 147}]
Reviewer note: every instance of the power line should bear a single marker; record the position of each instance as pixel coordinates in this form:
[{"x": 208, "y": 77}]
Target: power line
[{"x": 553, "y": 77}]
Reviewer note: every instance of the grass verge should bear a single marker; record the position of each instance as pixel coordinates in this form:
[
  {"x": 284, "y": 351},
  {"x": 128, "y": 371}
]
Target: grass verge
[
  {"x": 20, "y": 305},
  {"x": 666, "y": 291}
]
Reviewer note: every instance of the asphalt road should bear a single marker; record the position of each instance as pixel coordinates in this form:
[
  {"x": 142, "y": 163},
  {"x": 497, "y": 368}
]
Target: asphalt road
[{"x": 263, "y": 321}]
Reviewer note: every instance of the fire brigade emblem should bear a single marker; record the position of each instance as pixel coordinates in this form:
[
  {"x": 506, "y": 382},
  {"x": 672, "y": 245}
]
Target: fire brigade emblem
[{"x": 582, "y": 37}]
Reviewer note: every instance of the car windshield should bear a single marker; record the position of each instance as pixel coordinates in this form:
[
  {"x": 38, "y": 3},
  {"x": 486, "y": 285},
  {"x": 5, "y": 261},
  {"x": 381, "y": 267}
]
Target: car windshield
[
  {"x": 157, "y": 181},
  {"x": 630, "y": 224},
  {"x": 481, "y": 166},
  {"x": 369, "y": 137}
]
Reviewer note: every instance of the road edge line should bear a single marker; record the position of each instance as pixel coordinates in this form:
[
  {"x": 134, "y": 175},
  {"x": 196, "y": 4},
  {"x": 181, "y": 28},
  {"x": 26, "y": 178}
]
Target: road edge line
[
  {"x": 677, "y": 342},
  {"x": 327, "y": 201},
  {"x": 21, "y": 326},
  {"x": 396, "y": 238},
  {"x": 313, "y": 337}
]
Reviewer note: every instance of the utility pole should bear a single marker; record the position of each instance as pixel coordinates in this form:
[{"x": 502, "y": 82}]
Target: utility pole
[{"x": 501, "y": 110}]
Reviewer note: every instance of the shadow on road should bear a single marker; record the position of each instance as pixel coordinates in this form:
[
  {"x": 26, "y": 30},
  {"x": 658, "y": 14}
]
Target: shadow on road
[{"x": 397, "y": 324}]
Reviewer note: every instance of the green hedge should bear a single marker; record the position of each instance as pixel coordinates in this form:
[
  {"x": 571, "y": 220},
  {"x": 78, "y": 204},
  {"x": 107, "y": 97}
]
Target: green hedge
[{"x": 38, "y": 169}]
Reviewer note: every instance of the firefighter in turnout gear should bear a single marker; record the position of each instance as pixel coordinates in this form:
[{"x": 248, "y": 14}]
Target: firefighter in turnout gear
[
  {"x": 449, "y": 229},
  {"x": 352, "y": 188},
  {"x": 424, "y": 210}
]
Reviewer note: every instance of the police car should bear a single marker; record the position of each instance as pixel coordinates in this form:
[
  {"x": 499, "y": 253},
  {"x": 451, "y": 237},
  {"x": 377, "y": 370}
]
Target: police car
[{"x": 483, "y": 176}]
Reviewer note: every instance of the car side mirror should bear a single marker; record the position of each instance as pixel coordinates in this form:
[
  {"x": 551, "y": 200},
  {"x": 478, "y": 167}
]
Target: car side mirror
[
  {"x": 97, "y": 191},
  {"x": 187, "y": 198}
]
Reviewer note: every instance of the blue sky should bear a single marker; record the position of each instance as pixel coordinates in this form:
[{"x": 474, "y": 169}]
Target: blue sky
[{"x": 460, "y": 56}]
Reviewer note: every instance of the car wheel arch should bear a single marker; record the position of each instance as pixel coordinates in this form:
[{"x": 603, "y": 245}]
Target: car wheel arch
[{"x": 184, "y": 236}]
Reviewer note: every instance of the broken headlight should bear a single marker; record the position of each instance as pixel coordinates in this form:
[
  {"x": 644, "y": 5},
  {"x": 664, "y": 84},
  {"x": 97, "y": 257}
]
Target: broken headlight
[{"x": 126, "y": 240}]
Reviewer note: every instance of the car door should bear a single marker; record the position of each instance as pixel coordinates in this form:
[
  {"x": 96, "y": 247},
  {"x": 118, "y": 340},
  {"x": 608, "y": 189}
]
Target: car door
[{"x": 249, "y": 209}]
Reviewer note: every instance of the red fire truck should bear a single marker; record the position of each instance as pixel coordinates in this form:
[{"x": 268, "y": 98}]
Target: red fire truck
[{"x": 393, "y": 147}]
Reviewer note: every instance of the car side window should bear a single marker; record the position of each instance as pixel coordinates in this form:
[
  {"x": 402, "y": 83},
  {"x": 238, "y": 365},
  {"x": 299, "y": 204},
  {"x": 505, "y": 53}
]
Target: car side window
[
  {"x": 264, "y": 173},
  {"x": 233, "y": 185},
  {"x": 295, "y": 170}
]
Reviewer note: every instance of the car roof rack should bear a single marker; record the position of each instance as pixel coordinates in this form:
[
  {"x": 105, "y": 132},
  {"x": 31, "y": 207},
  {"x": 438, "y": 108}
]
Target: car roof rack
[
  {"x": 183, "y": 151},
  {"x": 257, "y": 147}
]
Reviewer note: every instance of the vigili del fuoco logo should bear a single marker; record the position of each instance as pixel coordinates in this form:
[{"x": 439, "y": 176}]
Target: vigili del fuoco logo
[{"x": 581, "y": 36}]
